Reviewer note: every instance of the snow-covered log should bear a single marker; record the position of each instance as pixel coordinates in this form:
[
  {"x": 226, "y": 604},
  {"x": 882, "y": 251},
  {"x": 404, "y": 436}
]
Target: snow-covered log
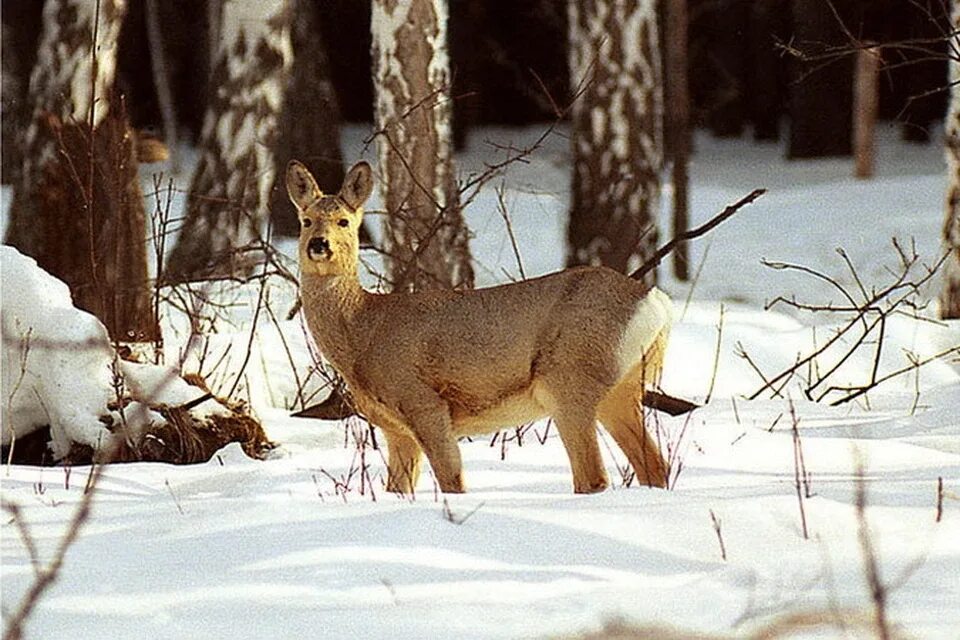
[{"x": 60, "y": 370}]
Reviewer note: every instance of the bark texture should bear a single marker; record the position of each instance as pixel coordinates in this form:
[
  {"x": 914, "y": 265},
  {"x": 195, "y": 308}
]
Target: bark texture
[
  {"x": 617, "y": 133},
  {"x": 950, "y": 295},
  {"x": 425, "y": 236},
  {"x": 77, "y": 205},
  {"x": 310, "y": 123},
  {"x": 226, "y": 208}
]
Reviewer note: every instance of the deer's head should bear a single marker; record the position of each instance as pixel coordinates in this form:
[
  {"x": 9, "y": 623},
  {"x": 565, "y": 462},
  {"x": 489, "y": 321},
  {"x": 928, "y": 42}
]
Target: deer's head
[{"x": 329, "y": 224}]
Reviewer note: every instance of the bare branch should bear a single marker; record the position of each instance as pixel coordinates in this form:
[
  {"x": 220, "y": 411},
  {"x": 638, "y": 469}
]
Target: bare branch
[{"x": 690, "y": 234}]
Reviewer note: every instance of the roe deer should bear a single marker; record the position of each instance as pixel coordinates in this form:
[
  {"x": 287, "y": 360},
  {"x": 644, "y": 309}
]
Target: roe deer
[{"x": 433, "y": 366}]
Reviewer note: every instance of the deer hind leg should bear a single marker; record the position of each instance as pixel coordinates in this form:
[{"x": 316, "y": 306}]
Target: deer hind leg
[
  {"x": 579, "y": 435},
  {"x": 652, "y": 361},
  {"x": 403, "y": 462},
  {"x": 622, "y": 416}
]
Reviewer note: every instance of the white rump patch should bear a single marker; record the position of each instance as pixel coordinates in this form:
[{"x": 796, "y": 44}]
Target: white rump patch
[{"x": 653, "y": 315}]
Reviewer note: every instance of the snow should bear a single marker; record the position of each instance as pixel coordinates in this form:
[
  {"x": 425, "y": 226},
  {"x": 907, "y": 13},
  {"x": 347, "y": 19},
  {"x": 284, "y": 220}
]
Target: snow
[
  {"x": 290, "y": 547},
  {"x": 57, "y": 360}
]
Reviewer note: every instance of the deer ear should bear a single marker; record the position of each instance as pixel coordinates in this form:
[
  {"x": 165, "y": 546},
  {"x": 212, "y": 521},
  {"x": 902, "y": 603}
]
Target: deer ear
[
  {"x": 301, "y": 187},
  {"x": 357, "y": 185}
]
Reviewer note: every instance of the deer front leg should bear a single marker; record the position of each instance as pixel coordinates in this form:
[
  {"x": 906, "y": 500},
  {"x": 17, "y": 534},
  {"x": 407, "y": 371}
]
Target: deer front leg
[
  {"x": 403, "y": 462},
  {"x": 443, "y": 452},
  {"x": 428, "y": 418}
]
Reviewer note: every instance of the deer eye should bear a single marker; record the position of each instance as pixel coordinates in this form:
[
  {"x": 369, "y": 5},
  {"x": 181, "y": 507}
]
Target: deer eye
[
  {"x": 307, "y": 222},
  {"x": 343, "y": 222}
]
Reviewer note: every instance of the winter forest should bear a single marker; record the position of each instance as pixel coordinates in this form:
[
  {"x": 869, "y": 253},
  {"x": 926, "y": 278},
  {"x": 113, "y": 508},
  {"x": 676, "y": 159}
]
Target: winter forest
[{"x": 587, "y": 319}]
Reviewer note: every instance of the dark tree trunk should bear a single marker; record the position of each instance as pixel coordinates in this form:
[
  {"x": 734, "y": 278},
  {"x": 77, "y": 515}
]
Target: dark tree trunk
[
  {"x": 677, "y": 124},
  {"x": 821, "y": 94},
  {"x": 466, "y": 20},
  {"x": 226, "y": 207},
  {"x": 310, "y": 123},
  {"x": 77, "y": 206},
  {"x": 426, "y": 238},
  {"x": 21, "y": 21},
  {"x": 728, "y": 32},
  {"x": 617, "y": 133},
  {"x": 767, "y": 23},
  {"x": 345, "y": 27}
]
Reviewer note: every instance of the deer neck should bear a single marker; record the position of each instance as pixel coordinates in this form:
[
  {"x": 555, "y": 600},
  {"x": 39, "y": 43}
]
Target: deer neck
[{"x": 332, "y": 304}]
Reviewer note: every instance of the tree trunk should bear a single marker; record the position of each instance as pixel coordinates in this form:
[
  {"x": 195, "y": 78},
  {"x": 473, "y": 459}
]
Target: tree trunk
[
  {"x": 77, "y": 205},
  {"x": 950, "y": 295},
  {"x": 21, "y": 31},
  {"x": 226, "y": 208},
  {"x": 728, "y": 45},
  {"x": 310, "y": 124},
  {"x": 767, "y": 24},
  {"x": 821, "y": 95},
  {"x": 677, "y": 125},
  {"x": 425, "y": 236},
  {"x": 617, "y": 133},
  {"x": 866, "y": 98}
]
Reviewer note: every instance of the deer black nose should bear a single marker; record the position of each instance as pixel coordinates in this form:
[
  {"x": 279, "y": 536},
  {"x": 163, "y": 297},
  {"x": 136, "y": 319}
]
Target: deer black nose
[{"x": 318, "y": 246}]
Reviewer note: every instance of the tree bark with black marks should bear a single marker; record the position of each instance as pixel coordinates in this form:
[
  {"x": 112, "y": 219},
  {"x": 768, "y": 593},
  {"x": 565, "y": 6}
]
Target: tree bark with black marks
[
  {"x": 310, "y": 123},
  {"x": 77, "y": 205},
  {"x": 426, "y": 239},
  {"x": 950, "y": 294},
  {"x": 226, "y": 208},
  {"x": 617, "y": 133}
]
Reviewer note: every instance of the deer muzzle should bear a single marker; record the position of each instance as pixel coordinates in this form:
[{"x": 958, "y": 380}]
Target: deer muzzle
[{"x": 319, "y": 249}]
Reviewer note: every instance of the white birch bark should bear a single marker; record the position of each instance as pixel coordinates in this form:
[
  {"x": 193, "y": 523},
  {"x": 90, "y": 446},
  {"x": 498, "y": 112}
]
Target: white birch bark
[
  {"x": 426, "y": 238},
  {"x": 61, "y": 83},
  {"x": 77, "y": 206},
  {"x": 617, "y": 132},
  {"x": 950, "y": 294},
  {"x": 226, "y": 210}
]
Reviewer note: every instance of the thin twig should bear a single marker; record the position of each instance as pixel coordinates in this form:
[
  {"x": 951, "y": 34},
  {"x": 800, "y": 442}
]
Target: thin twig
[
  {"x": 716, "y": 528},
  {"x": 690, "y": 234},
  {"x": 716, "y": 357}
]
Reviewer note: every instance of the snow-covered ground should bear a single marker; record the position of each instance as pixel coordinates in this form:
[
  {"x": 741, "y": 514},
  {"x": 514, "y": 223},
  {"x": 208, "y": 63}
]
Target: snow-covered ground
[{"x": 307, "y": 545}]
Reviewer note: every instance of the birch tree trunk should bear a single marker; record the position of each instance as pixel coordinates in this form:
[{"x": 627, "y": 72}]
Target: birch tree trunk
[
  {"x": 226, "y": 209},
  {"x": 950, "y": 295},
  {"x": 77, "y": 205},
  {"x": 617, "y": 133},
  {"x": 425, "y": 236}
]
